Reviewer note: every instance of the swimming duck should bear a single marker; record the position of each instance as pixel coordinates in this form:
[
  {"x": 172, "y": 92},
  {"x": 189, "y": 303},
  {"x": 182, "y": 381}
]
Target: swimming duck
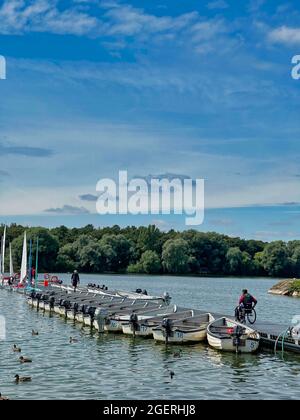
[
  {"x": 16, "y": 349},
  {"x": 177, "y": 354},
  {"x": 3, "y": 398},
  {"x": 34, "y": 333},
  {"x": 73, "y": 340},
  {"x": 25, "y": 360},
  {"x": 19, "y": 379}
]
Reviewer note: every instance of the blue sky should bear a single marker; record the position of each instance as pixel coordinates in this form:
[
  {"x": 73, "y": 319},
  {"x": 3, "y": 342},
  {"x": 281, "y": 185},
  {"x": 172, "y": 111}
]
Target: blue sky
[{"x": 201, "y": 88}]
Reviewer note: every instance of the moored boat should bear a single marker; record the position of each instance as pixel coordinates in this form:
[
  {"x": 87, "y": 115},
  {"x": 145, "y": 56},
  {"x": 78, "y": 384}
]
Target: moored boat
[
  {"x": 144, "y": 327},
  {"x": 189, "y": 330},
  {"x": 231, "y": 336}
]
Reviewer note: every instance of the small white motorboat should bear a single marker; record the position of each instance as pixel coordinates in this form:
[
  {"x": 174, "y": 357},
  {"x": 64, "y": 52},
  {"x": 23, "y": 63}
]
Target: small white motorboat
[
  {"x": 231, "y": 336},
  {"x": 144, "y": 327},
  {"x": 189, "y": 330}
]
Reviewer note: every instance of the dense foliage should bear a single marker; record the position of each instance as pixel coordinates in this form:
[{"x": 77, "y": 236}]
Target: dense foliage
[{"x": 150, "y": 251}]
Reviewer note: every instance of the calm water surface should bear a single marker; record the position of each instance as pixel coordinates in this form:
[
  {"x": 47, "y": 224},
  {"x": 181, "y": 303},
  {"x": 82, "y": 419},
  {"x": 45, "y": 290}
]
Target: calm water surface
[{"x": 116, "y": 367}]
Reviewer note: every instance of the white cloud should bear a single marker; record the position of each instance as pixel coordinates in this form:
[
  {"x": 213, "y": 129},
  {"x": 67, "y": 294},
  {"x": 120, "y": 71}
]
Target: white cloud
[
  {"x": 17, "y": 16},
  {"x": 285, "y": 35},
  {"x": 217, "y": 4},
  {"x": 114, "y": 23}
]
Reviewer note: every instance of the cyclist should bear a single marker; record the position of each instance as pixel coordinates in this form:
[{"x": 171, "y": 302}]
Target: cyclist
[{"x": 246, "y": 303}]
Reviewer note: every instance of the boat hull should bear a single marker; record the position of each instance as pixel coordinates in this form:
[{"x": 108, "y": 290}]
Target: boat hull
[
  {"x": 180, "y": 337},
  {"x": 227, "y": 335},
  {"x": 142, "y": 330},
  {"x": 227, "y": 345}
]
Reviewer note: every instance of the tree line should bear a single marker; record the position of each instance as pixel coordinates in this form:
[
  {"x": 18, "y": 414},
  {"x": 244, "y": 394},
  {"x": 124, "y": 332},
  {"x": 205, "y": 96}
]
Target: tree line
[{"x": 150, "y": 251}]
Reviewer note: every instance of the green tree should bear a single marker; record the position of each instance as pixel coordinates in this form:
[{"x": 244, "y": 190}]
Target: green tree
[
  {"x": 176, "y": 256},
  {"x": 117, "y": 251},
  {"x": 234, "y": 260},
  {"x": 48, "y": 248},
  {"x": 150, "y": 263},
  {"x": 275, "y": 259}
]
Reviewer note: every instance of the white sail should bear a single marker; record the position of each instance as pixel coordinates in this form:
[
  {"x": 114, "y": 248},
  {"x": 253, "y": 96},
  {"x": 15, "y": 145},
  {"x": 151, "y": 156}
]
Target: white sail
[
  {"x": 1, "y": 274},
  {"x": 11, "y": 264},
  {"x": 1, "y": 247},
  {"x": 23, "y": 276},
  {"x": 3, "y": 251}
]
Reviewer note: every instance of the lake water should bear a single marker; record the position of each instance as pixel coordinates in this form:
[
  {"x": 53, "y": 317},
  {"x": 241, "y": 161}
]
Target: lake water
[{"x": 111, "y": 366}]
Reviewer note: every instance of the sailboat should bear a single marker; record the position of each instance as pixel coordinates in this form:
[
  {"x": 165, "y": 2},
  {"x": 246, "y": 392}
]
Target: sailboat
[
  {"x": 11, "y": 263},
  {"x": 2, "y": 257},
  {"x": 24, "y": 273}
]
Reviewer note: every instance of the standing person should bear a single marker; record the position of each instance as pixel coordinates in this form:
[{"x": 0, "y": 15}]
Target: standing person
[{"x": 75, "y": 280}]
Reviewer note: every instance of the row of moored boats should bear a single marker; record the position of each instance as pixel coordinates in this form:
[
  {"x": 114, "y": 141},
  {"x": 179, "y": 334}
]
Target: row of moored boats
[{"x": 138, "y": 314}]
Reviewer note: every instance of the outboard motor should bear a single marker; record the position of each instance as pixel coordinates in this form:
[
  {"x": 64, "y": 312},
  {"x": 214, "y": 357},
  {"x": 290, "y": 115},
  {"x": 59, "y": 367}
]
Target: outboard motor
[
  {"x": 167, "y": 326},
  {"x": 38, "y": 297},
  {"x": 91, "y": 312},
  {"x": 139, "y": 291},
  {"x": 167, "y": 298},
  {"x": 145, "y": 292},
  {"x": 67, "y": 306},
  {"x": 237, "y": 334},
  {"x": 102, "y": 318},
  {"x": 52, "y": 302},
  {"x": 134, "y": 322}
]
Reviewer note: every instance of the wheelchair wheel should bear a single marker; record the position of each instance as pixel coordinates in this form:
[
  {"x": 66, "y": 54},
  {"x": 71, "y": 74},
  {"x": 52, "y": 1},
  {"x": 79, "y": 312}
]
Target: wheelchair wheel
[{"x": 251, "y": 316}]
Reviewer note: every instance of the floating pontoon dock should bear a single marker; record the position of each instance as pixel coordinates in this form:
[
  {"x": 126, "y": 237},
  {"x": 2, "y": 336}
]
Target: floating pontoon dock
[{"x": 272, "y": 335}]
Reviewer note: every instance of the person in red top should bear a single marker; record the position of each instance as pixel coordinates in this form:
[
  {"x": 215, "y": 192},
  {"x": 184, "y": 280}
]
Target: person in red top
[{"x": 246, "y": 302}]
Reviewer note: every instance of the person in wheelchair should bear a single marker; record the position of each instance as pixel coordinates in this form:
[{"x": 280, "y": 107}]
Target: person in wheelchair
[{"x": 246, "y": 304}]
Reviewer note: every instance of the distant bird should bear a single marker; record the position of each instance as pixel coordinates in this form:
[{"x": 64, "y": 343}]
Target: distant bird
[
  {"x": 16, "y": 349},
  {"x": 19, "y": 379},
  {"x": 3, "y": 398},
  {"x": 25, "y": 360},
  {"x": 172, "y": 374},
  {"x": 73, "y": 340},
  {"x": 34, "y": 333}
]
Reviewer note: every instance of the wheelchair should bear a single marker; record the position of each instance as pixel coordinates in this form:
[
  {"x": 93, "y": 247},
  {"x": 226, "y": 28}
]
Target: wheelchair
[{"x": 243, "y": 315}]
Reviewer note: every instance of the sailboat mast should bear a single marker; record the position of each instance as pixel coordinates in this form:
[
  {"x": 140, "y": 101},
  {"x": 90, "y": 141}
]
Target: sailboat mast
[
  {"x": 30, "y": 263},
  {"x": 37, "y": 263},
  {"x": 11, "y": 264},
  {"x": 3, "y": 251}
]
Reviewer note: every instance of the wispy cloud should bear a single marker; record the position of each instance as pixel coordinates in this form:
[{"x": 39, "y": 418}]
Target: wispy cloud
[
  {"x": 114, "y": 22},
  {"x": 218, "y": 4},
  {"x": 68, "y": 210},
  {"x": 285, "y": 35},
  {"x": 6, "y": 149},
  {"x": 88, "y": 197},
  {"x": 19, "y": 16}
]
